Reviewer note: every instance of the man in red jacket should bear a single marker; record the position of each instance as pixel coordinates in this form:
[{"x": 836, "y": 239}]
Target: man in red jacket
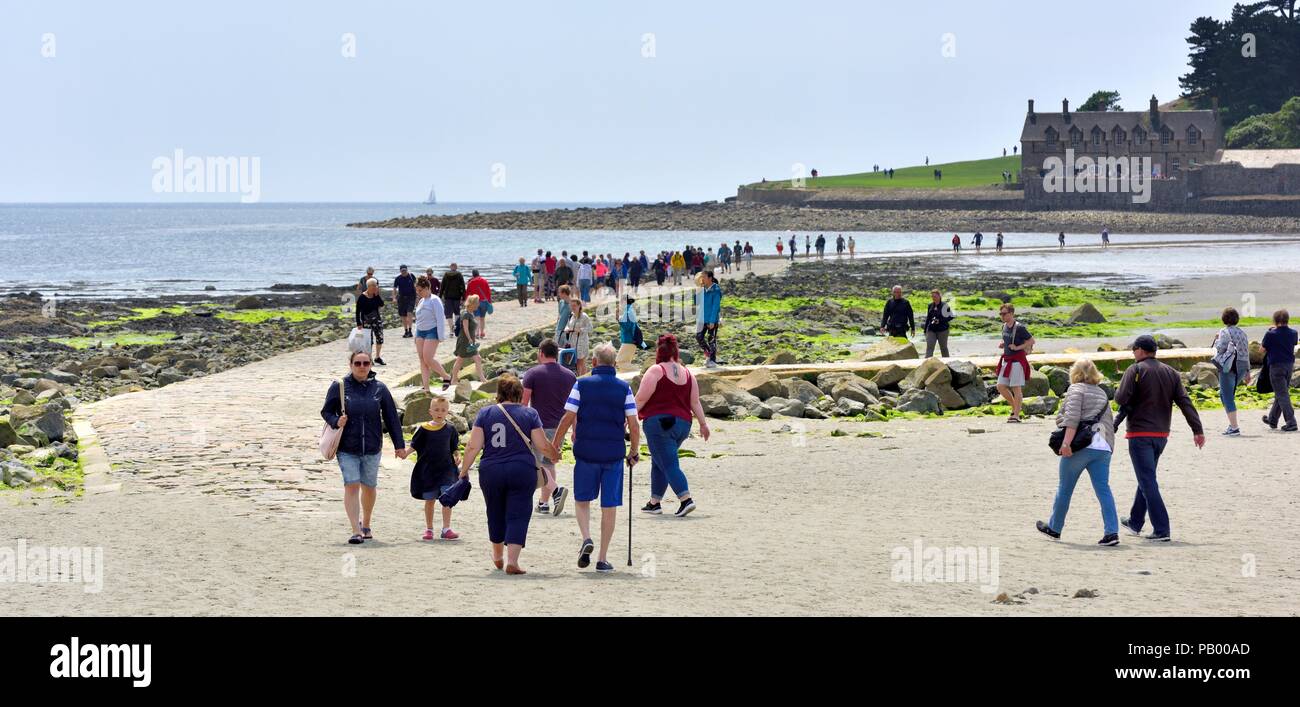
[{"x": 478, "y": 285}]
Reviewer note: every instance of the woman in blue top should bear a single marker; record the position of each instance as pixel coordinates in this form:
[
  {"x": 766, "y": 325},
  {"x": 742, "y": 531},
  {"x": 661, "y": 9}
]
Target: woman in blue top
[
  {"x": 507, "y": 474},
  {"x": 710, "y": 316},
  {"x": 368, "y": 403},
  {"x": 1279, "y": 343},
  {"x": 523, "y": 280}
]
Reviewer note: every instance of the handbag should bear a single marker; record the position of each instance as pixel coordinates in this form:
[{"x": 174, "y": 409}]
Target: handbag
[
  {"x": 541, "y": 474},
  {"x": 1082, "y": 436},
  {"x": 330, "y": 436},
  {"x": 1264, "y": 385}
]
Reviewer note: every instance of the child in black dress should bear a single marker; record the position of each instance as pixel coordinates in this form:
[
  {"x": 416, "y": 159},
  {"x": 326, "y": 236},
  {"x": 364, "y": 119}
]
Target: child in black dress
[{"x": 435, "y": 444}]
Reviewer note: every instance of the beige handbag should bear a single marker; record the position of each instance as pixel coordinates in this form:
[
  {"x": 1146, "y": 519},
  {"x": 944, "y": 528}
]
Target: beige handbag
[
  {"x": 330, "y": 436},
  {"x": 541, "y": 473}
]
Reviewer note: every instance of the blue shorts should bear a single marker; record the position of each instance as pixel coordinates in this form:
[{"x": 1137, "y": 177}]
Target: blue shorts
[
  {"x": 359, "y": 469},
  {"x": 603, "y": 480},
  {"x": 484, "y": 309},
  {"x": 427, "y": 333},
  {"x": 433, "y": 495}
]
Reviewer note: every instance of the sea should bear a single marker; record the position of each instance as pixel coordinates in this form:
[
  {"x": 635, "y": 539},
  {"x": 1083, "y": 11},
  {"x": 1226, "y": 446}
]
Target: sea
[{"x": 202, "y": 250}]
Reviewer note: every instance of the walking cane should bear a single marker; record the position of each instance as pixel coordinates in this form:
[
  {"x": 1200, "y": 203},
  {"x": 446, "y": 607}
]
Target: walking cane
[{"x": 629, "y": 513}]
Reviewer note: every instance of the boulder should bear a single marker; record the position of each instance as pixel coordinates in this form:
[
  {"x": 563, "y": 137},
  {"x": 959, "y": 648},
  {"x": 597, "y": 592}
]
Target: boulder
[
  {"x": 801, "y": 390},
  {"x": 890, "y": 375},
  {"x": 922, "y": 401},
  {"x": 472, "y": 409},
  {"x": 715, "y": 406},
  {"x": 791, "y": 408},
  {"x": 1037, "y": 385},
  {"x": 1086, "y": 313},
  {"x": 1256, "y": 353},
  {"x": 781, "y": 358},
  {"x": 63, "y": 377},
  {"x": 167, "y": 376},
  {"x": 24, "y": 397},
  {"x": 931, "y": 370},
  {"x": 1165, "y": 341},
  {"x": 45, "y": 384},
  {"x": 105, "y": 372},
  {"x": 1040, "y": 405},
  {"x": 249, "y": 302},
  {"x": 949, "y": 398},
  {"x": 1058, "y": 379},
  {"x": 462, "y": 392},
  {"x": 762, "y": 384},
  {"x": 1106, "y": 347},
  {"x": 1295, "y": 379},
  {"x": 415, "y": 408},
  {"x": 963, "y": 373},
  {"x": 490, "y": 386},
  {"x": 813, "y": 413},
  {"x": 1205, "y": 375},
  {"x": 687, "y": 357},
  {"x": 846, "y": 389},
  {"x": 827, "y": 381},
  {"x": 888, "y": 349},
  {"x": 15, "y": 474},
  {"x": 847, "y": 407},
  {"x": 974, "y": 394},
  {"x": 9, "y": 434}
]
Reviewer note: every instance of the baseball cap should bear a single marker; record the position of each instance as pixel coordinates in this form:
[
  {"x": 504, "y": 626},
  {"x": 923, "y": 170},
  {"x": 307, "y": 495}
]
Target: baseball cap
[
  {"x": 1145, "y": 342},
  {"x": 403, "y": 267}
]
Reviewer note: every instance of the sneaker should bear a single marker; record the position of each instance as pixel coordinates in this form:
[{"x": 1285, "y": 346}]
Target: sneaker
[
  {"x": 1045, "y": 530},
  {"x": 408, "y": 334},
  {"x": 603, "y": 566},
  {"x": 1290, "y": 428},
  {"x": 449, "y": 534},
  {"x": 1232, "y": 432},
  {"x": 652, "y": 508},
  {"x": 1270, "y": 423},
  {"x": 543, "y": 508},
  {"x": 685, "y": 508},
  {"x": 584, "y": 554},
  {"x": 710, "y": 364},
  {"x": 1123, "y": 523},
  {"x": 1156, "y": 538},
  {"x": 1110, "y": 540},
  {"x": 557, "y": 500},
  {"x": 380, "y": 362},
  {"x": 428, "y": 534}
]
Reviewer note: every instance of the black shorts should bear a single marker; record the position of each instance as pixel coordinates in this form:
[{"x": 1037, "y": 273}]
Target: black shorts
[
  {"x": 405, "y": 305},
  {"x": 451, "y": 307}
]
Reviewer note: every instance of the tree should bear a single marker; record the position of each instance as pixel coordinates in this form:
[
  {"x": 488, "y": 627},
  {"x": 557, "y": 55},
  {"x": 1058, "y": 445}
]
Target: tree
[
  {"x": 1250, "y": 62},
  {"x": 1280, "y": 130},
  {"x": 1102, "y": 101}
]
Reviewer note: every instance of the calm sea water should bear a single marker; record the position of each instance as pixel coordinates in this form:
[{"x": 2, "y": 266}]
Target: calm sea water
[{"x": 113, "y": 250}]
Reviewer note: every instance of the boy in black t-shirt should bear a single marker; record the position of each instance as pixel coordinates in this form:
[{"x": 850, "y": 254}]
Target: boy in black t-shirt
[{"x": 435, "y": 444}]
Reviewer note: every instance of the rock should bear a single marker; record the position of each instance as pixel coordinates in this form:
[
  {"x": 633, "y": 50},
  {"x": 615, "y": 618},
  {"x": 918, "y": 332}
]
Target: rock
[
  {"x": 931, "y": 370},
  {"x": 888, "y": 349},
  {"x": 490, "y": 386},
  {"x": 1087, "y": 594},
  {"x": 472, "y": 409},
  {"x": 415, "y": 408},
  {"x": 1295, "y": 379},
  {"x": 191, "y": 365},
  {"x": 687, "y": 357},
  {"x": 1038, "y": 385},
  {"x": 64, "y": 451},
  {"x": 846, "y": 389},
  {"x": 45, "y": 384},
  {"x": 1106, "y": 347},
  {"x": 1072, "y": 350},
  {"x": 14, "y": 474},
  {"x": 1164, "y": 341},
  {"x": 1058, "y": 379},
  {"x": 791, "y": 408},
  {"x": 890, "y": 375},
  {"x": 781, "y": 358},
  {"x": 105, "y": 372},
  {"x": 459, "y": 423},
  {"x": 762, "y": 412},
  {"x": 1040, "y": 405},
  {"x": 813, "y": 413},
  {"x": 762, "y": 384},
  {"x": 249, "y": 302},
  {"x": 801, "y": 390},
  {"x": 462, "y": 392},
  {"x": 63, "y": 377},
  {"x": 24, "y": 397},
  {"x": 535, "y": 338},
  {"x": 963, "y": 373},
  {"x": 124, "y": 389},
  {"x": 1256, "y": 353},
  {"x": 1205, "y": 375},
  {"x": 974, "y": 394},
  {"x": 847, "y": 407},
  {"x": 872, "y": 415},
  {"x": 48, "y": 396},
  {"x": 776, "y": 402},
  {"x": 827, "y": 381},
  {"x": 916, "y": 400},
  {"x": 715, "y": 406},
  {"x": 949, "y": 398},
  {"x": 9, "y": 434},
  {"x": 167, "y": 376},
  {"x": 1085, "y": 313}
]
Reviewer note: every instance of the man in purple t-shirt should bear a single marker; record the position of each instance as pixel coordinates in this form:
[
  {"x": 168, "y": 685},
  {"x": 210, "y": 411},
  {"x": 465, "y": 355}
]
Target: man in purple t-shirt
[{"x": 546, "y": 388}]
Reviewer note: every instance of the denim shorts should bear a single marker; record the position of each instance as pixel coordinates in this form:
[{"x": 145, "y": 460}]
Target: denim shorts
[
  {"x": 433, "y": 495},
  {"x": 427, "y": 333},
  {"x": 592, "y": 480},
  {"x": 359, "y": 469}
]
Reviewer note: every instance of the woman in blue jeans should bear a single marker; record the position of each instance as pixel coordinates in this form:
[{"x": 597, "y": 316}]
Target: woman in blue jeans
[
  {"x": 368, "y": 403},
  {"x": 1085, "y": 401},
  {"x": 1232, "y": 357},
  {"x": 666, "y": 400}
]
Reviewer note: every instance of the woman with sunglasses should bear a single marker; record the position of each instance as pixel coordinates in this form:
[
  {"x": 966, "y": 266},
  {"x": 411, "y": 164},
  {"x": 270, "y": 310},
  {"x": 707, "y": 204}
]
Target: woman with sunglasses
[{"x": 368, "y": 404}]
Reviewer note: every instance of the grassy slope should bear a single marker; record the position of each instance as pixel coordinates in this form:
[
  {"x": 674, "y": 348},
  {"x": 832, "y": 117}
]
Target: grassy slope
[{"x": 975, "y": 173}]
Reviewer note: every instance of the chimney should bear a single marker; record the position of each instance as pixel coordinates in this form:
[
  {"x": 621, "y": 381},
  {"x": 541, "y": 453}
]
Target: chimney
[
  {"x": 1065, "y": 109},
  {"x": 1155, "y": 112},
  {"x": 1033, "y": 117}
]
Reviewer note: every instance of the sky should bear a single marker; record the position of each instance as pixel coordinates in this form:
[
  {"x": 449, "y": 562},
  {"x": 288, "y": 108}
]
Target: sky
[{"x": 565, "y": 101}]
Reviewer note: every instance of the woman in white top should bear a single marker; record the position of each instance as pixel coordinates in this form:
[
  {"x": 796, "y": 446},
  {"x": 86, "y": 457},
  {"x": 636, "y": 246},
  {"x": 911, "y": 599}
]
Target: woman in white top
[
  {"x": 1085, "y": 401},
  {"x": 577, "y": 335},
  {"x": 430, "y": 325}
]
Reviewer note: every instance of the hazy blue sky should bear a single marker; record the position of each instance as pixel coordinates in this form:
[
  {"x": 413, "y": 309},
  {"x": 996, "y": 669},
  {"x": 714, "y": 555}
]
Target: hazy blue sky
[{"x": 559, "y": 93}]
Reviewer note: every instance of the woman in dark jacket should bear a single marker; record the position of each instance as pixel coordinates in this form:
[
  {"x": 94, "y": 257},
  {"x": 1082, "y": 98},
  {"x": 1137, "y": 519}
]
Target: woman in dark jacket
[
  {"x": 370, "y": 408},
  {"x": 937, "y": 318}
]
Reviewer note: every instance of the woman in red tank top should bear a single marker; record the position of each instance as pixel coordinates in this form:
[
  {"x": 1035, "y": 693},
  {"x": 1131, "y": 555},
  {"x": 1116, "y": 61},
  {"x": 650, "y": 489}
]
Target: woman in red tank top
[{"x": 666, "y": 400}]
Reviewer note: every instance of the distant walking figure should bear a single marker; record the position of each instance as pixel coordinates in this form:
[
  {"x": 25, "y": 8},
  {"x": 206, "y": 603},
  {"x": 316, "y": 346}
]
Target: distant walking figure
[
  {"x": 1061, "y": 240},
  {"x": 1279, "y": 344},
  {"x": 1105, "y": 238},
  {"x": 999, "y": 241},
  {"x": 956, "y": 243}
]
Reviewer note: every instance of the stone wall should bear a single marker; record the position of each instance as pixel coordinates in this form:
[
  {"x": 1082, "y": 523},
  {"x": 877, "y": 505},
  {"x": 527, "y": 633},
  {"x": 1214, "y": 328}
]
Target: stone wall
[{"x": 1232, "y": 179}]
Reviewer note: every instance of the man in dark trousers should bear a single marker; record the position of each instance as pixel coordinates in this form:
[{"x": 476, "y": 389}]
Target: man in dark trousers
[
  {"x": 897, "y": 319},
  {"x": 453, "y": 291},
  {"x": 1148, "y": 391}
]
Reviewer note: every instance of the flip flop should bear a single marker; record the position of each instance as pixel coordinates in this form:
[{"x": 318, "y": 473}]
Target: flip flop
[
  {"x": 355, "y": 540},
  {"x": 365, "y": 534},
  {"x": 1013, "y": 419}
]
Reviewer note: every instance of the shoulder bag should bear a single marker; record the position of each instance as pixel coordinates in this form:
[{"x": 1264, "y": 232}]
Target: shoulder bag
[
  {"x": 541, "y": 475},
  {"x": 330, "y": 436}
]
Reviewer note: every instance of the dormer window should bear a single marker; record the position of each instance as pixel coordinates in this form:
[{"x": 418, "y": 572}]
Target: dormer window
[
  {"x": 1118, "y": 137},
  {"x": 1166, "y": 135},
  {"x": 1051, "y": 136},
  {"x": 1139, "y": 135},
  {"x": 1097, "y": 135},
  {"x": 1076, "y": 136},
  {"x": 1193, "y": 135}
]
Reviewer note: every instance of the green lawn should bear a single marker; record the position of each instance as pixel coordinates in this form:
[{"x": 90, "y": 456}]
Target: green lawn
[{"x": 976, "y": 173}]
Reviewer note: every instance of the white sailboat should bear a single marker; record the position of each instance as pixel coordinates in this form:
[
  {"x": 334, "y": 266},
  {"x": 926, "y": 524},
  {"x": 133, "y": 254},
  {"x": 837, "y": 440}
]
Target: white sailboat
[{"x": 433, "y": 198}]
